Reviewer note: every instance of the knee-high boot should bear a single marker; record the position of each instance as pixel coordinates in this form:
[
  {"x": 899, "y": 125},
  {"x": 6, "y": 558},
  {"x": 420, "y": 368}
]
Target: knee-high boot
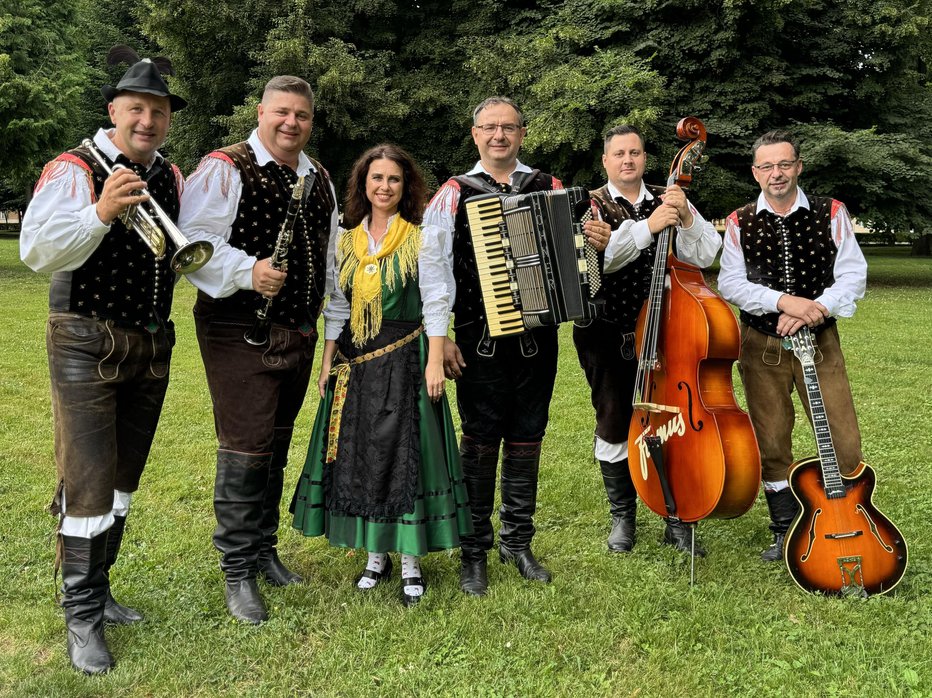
[
  {"x": 239, "y": 492},
  {"x": 116, "y": 613},
  {"x": 520, "y": 466},
  {"x": 783, "y": 508},
  {"x": 84, "y": 595},
  {"x": 270, "y": 565},
  {"x": 622, "y": 504},
  {"x": 480, "y": 464}
]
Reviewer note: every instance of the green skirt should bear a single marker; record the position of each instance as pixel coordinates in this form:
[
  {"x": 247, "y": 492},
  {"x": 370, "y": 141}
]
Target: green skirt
[{"x": 441, "y": 510}]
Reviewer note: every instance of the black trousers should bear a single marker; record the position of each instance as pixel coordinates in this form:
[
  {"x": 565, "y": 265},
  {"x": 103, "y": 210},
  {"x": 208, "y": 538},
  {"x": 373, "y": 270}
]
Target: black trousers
[{"x": 506, "y": 395}]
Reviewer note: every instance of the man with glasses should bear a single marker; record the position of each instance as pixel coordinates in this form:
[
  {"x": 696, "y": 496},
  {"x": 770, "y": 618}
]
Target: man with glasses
[
  {"x": 504, "y": 385},
  {"x": 791, "y": 261}
]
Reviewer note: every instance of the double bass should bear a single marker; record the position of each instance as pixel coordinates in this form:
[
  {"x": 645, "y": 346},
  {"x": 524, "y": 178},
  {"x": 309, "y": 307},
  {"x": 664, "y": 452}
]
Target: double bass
[
  {"x": 839, "y": 542},
  {"x": 691, "y": 449}
]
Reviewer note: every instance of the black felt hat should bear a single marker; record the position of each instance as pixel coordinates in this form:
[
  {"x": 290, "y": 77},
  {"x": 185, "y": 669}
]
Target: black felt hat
[{"x": 144, "y": 75}]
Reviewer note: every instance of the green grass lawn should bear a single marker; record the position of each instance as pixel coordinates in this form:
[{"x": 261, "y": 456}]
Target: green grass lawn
[{"x": 612, "y": 625}]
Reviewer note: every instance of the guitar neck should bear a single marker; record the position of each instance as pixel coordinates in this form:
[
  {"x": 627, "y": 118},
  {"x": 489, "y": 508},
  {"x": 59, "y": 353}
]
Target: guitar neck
[{"x": 832, "y": 482}]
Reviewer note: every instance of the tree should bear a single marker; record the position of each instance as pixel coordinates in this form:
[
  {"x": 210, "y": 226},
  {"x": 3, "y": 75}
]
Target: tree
[{"x": 42, "y": 74}]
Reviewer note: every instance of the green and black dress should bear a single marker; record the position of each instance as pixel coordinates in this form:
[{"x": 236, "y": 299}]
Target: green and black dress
[{"x": 383, "y": 473}]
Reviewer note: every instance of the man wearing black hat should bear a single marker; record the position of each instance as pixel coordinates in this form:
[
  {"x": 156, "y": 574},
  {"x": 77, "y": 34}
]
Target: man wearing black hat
[
  {"x": 237, "y": 200},
  {"x": 109, "y": 338}
]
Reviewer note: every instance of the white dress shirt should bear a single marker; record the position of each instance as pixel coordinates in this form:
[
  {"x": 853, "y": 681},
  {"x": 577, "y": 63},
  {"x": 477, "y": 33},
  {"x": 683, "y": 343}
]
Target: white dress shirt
[
  {"x": 435, "y": 263},
  {"x": 338, "y": 308},
  {"x": 61, "y": 229},
  {"x": 698, "y": 244},
  {"x": 208, "y": 211},
  {"x": 850, "y": 268}
]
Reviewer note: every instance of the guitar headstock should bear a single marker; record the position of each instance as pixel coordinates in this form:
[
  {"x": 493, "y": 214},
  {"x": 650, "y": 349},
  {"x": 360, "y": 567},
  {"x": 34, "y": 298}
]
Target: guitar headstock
[{"x": 801, "y": 345}]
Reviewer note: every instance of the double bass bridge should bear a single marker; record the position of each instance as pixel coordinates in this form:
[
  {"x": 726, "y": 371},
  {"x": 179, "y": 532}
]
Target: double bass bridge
[{"x": 656, "y": 407}]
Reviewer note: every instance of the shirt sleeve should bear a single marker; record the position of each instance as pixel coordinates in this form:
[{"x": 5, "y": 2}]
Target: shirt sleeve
[
  {"x": 331, "y": 282},
  {"x": 435, "y": 262},
  {"x": 208, "y": 209},
  {"x": 337, "y": 309},
  {"x": 733, "y": 283},
  {"x": 433, "y": 281},
  {"x": 699, "y": 243},
  {"x": 850, "y": 270},
  {"x": 625, "y": 244},
  {"x": 60, "y": 229}
]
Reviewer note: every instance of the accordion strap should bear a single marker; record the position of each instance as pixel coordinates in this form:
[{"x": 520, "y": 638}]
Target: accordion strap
[{"x": 520, "y": 180}]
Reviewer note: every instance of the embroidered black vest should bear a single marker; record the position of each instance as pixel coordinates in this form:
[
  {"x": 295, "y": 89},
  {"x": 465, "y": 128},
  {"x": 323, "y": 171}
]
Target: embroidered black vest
[
  {"x": 793, "y": 254},
  {"x": 122, "y": 280},
  {"x": 625, "y": 290},
  {"x": 263, "y": 202},
  {"x": 468, "y": 305}
]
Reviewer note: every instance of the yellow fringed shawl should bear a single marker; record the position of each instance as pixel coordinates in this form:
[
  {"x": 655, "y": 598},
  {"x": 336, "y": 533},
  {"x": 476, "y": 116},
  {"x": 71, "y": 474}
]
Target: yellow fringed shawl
[{"x": 402, "y": 242}]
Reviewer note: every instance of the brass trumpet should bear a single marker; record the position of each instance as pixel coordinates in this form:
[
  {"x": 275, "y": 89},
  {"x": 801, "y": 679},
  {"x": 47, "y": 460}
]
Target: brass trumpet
[{"x": 153, "y": 227}]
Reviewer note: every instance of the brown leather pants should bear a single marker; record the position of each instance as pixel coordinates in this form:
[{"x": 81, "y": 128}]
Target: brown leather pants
[{"x": 770, "y": 373}]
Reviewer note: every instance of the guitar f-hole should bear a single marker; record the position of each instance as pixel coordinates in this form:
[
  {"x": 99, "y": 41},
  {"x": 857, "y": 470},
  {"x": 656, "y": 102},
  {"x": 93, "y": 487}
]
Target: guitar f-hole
[{"x": 812, "y": 536}]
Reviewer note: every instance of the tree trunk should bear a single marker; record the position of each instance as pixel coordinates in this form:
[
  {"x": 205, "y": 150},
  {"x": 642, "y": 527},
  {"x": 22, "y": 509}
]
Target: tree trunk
[{"x": 922, "y": 246}]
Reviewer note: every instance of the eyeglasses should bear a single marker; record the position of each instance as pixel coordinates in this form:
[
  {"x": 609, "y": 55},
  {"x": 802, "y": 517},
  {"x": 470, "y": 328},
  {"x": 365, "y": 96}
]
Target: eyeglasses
[
  {"x": 784, "y": 166},
  {"x": 507, "y": 129}
]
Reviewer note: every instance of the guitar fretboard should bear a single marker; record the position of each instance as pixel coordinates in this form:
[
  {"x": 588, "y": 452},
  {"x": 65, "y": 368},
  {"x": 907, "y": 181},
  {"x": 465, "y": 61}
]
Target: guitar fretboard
[{"x": 833, "y": 484}]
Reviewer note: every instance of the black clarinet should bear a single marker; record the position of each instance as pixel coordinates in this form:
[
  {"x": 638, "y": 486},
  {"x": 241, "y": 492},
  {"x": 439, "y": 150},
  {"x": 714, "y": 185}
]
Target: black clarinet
[{"x": 258, "y": 334}]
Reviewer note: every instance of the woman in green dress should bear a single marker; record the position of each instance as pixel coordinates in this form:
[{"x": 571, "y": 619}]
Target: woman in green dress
[{"x": 382, "y": 470}]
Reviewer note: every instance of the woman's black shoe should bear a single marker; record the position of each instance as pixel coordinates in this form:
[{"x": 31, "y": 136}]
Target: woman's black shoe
[
  {"x": 410, "y": 601},
  {"x": 377, "y": 576}
]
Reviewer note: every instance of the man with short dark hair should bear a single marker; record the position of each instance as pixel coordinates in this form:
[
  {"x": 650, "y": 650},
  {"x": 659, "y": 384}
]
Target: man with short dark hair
[
  {"x": 238, "y": 200},
  {"x": 504, "y": 385},
  {"x": 791, "y": 261},
  {"x": 109, "y": 337},
  {"x": 606, "y": 347}
]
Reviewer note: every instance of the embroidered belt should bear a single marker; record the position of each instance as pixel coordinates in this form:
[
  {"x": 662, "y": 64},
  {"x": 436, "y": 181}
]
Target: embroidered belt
[{"x": 342, "y": 373}]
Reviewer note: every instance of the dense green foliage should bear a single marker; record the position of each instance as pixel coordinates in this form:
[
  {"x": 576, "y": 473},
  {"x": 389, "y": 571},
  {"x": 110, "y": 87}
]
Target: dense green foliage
[
  {"x": 850, "y": 76},
  {"x": 42, "y": 74},
  {"x": 609, "y": 625}
]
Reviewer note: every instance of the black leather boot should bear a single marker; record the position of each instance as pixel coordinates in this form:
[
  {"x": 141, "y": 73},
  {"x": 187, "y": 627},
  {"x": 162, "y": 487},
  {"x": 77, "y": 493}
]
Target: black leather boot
[
  {"x": 474, "y": 572},
  {"x": 84, "y": 594},
  {"x": 622, "y": 503},
  {"x": 679, "y": 535},
  {"x": 480, "y": 465},
  {"x": 783, "y": 509},
  {"x": 116, "y": 613},
  {"x": 270, "y": 565},
  {"x": 520, "y": 466},
  {"x": 239, "y": 492}
]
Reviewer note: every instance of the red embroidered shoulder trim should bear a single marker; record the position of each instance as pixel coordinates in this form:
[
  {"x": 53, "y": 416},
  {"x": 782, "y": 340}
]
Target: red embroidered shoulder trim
[{"x": 220, "y": 155}]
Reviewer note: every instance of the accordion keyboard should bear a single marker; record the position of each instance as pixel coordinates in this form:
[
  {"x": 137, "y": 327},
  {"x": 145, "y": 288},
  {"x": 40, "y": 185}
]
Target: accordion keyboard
[{"x": 498, "y": 292}]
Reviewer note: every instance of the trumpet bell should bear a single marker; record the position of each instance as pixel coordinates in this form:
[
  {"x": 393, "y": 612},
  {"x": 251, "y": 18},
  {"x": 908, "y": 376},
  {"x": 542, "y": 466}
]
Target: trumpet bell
[{"x": 192, "y": 257}]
